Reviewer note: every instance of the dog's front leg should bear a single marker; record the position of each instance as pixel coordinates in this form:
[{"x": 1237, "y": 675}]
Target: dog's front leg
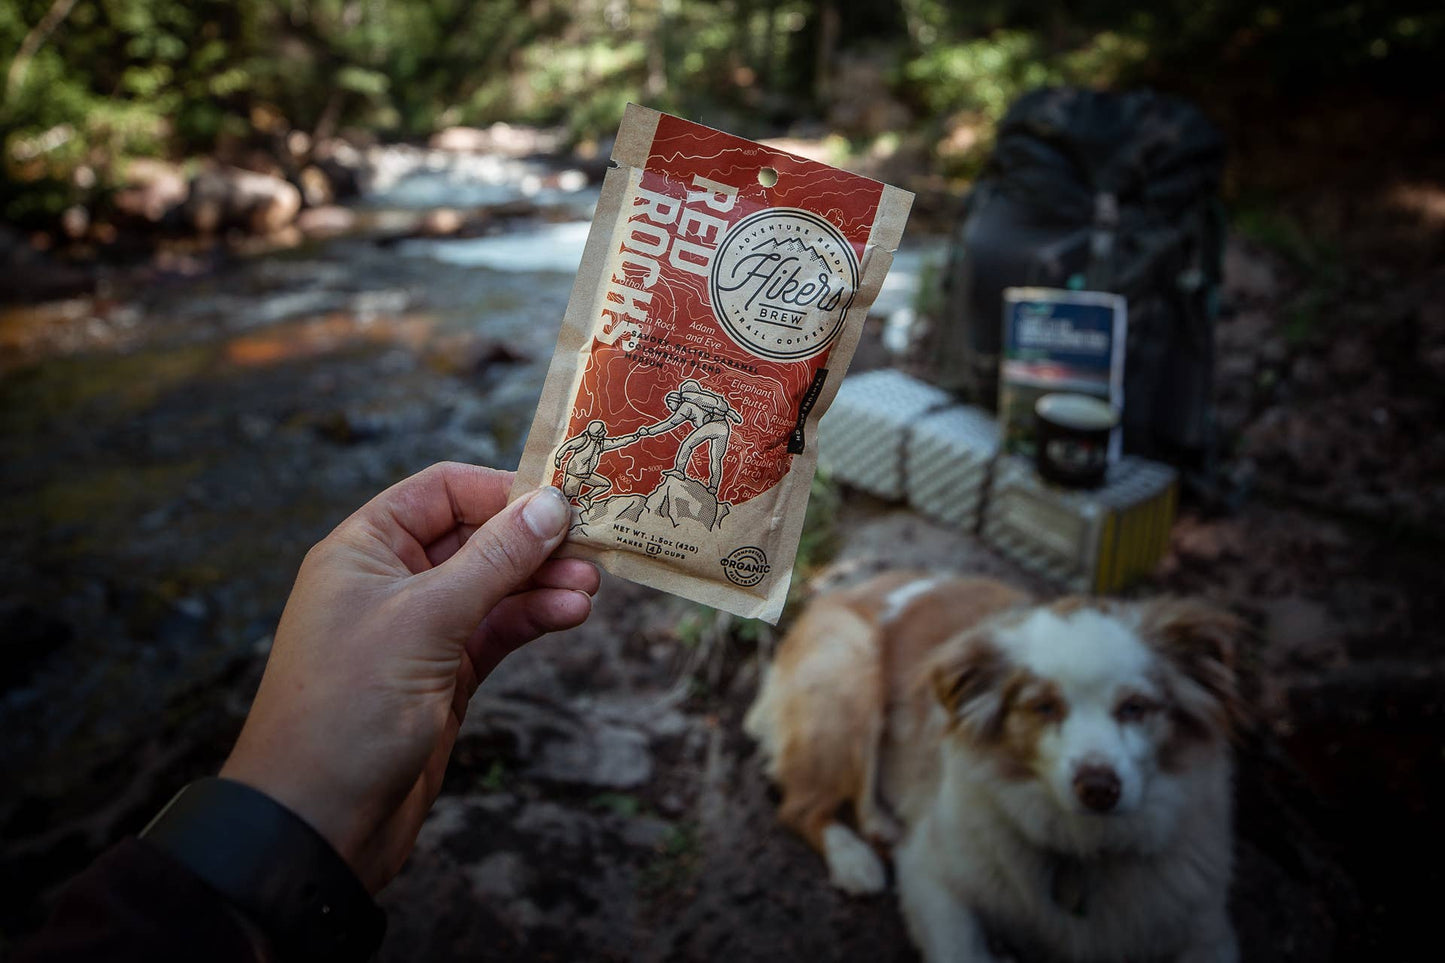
[{"x": 943, "y": 927}]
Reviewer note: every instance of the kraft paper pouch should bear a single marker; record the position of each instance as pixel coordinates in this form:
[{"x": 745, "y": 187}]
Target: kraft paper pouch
[{"x": 721, "y": 295}]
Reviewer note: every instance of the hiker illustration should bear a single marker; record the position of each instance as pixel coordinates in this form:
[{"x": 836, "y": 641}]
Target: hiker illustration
[
  {"x": 586, "y": 450},
  {"x": 710, "y": 413}
]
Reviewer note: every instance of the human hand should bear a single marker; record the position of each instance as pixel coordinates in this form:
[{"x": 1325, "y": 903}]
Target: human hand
[{"x": 395, "y": 618}]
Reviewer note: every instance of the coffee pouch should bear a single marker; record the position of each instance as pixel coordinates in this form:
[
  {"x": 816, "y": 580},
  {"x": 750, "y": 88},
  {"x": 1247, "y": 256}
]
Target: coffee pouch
[{"x": 721, "y": 295}]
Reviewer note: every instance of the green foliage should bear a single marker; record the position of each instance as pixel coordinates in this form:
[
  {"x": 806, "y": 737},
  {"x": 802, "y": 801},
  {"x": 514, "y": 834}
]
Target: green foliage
[
  {"x": 1265, "y": 224},
  {"x": 676, "y": 862},
  {"x": 1324, "y": 277},
  {"x": 983, "y": 75},
  {"x": 622, "y": 804},
  {"x": 820, "y": 528},
  {"x": 496, "y": 777},
  {"x": 88, "y": 83}
]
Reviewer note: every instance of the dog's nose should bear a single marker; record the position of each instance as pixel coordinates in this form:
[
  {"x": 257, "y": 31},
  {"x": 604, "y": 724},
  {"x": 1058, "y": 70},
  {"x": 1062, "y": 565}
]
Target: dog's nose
[{"x": 1097, "y": 787}]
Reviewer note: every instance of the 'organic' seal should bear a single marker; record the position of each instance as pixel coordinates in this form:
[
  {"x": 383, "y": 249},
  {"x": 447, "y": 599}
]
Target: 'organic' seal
[{"x": 746, "y": 566}]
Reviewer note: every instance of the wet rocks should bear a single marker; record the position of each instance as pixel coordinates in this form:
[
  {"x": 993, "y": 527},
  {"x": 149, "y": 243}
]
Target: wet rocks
[
  {"x": 342, "y": 163},
  {"x": 441, "y": 222},
  {"x": 326, "y": 221},
  {"x": 150, "y": 190},
  {"x": 499, "y": 138},
  {"x": 315, "y": 187},
  {"x": 227, "y": 197}
]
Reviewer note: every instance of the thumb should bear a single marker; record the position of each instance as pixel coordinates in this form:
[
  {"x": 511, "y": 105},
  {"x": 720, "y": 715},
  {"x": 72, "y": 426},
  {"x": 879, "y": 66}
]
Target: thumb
[{"x": 498, "y": 558}]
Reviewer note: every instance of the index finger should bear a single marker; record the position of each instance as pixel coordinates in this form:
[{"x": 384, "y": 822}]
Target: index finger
[{"x": 416, "y": 511}]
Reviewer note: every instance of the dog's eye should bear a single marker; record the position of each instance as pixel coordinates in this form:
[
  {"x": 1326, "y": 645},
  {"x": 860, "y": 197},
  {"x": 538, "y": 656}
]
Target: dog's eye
[
  {"x": 1133, "y": 709},
  {"x": 1047, "y": 708}
]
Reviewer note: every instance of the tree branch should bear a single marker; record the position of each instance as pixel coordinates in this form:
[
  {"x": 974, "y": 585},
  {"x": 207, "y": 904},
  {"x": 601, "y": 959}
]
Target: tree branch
[{"x": 34, "y": 40}]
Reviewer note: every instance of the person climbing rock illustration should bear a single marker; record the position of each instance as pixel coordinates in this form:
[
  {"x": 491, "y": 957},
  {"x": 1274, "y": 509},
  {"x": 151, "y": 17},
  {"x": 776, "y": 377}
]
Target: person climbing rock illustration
[
  {"x": 586, "y": 450},
  {"x": 710, "y": 413}
]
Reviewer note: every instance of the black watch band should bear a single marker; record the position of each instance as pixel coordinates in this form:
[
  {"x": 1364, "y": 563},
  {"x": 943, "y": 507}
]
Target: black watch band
[{"x": 273, "y": 866}]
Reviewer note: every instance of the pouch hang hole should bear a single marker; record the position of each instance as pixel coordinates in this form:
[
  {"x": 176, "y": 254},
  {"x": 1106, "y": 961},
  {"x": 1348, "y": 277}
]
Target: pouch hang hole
[{"x": 768, "y": 176}]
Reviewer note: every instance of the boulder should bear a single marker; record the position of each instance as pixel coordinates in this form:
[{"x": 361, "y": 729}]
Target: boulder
[
  {"x": 325, "y": 221},
  {"x": 227, "y": 197},
  {"x": 150, "y": 189},
  {"x": 442, "y": 222},
  {"x": 316, "y": 188},
  {"x": 342, "y": 164},
  {"x": 500, "y": 138},
  {"x": 462, "y": 139}
]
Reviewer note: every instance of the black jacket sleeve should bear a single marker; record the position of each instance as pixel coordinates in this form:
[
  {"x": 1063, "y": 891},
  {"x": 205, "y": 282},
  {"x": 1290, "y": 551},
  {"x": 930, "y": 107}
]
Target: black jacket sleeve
[
  {"x": 223, "y": 873},
  {"x": 135, "y": 903}
]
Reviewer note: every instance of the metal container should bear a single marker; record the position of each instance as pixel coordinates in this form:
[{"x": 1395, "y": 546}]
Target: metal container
[{"x": 1097, "y": 540}]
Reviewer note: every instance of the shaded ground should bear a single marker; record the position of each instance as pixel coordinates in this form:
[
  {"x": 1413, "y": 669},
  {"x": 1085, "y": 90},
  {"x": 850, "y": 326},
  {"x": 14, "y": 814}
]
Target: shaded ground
[{"x": 173, "y": 444}]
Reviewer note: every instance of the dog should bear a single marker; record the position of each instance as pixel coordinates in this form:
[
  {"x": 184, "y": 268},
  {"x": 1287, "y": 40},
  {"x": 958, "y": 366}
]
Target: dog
[{"x": 1057, "y": 776}]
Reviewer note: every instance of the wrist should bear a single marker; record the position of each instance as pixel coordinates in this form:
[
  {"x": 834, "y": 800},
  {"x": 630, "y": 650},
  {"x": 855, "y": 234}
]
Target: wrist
[{"x": 338, "y": 828}]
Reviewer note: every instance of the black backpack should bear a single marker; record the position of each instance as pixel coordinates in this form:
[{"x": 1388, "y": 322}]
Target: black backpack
[{"x": 1108, "y": 192}]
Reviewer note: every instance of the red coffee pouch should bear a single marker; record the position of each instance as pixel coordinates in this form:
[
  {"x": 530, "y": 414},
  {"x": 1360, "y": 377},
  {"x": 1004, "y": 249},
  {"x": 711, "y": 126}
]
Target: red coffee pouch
[{"x": 720, "y": 298}]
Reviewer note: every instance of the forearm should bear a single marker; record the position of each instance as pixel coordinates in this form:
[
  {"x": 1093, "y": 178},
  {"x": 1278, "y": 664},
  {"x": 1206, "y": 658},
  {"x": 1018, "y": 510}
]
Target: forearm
[{"x": 662, "y": 427}]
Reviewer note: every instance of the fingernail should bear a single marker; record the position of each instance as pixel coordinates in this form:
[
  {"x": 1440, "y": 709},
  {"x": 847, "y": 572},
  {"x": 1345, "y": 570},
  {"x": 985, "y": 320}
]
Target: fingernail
[{"x": 547, "y": 513}]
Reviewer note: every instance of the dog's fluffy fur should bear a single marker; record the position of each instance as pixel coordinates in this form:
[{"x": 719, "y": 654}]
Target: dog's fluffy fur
[{"x": 1055, "y": 775}]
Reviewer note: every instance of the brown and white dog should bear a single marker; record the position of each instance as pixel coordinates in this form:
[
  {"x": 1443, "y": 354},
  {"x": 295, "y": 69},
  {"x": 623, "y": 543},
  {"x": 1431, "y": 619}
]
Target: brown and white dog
[{"x": 1058, "y": 776}]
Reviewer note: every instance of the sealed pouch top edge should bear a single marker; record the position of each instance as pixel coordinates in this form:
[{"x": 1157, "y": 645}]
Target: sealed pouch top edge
[{"x": 634, "y": 136}]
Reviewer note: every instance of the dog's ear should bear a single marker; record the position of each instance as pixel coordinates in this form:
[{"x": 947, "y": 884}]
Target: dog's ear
[
  {"x": 1198, "y": 640},
  {"x": 968, "y": 680}
]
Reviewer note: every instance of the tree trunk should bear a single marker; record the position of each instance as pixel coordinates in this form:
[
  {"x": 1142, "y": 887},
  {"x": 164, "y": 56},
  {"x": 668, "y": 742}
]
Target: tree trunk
[{"x": 828, "y": 26}]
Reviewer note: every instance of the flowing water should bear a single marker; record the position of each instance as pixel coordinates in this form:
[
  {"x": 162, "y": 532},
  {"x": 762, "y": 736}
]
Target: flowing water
[{"x": 173, "y": 443}]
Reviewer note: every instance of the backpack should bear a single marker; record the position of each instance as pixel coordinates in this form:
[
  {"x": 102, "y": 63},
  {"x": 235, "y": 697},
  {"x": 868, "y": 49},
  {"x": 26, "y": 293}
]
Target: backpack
[{"x": 1108, "y": 192}]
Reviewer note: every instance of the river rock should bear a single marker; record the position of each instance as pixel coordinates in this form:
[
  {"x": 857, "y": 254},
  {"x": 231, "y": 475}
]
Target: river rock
[
  {"x": 315, "y": 187},
  {"x": 442, "y": 222},
  {"x": 224, "y": 197},
  {"x": 75, "y": 221},
  {"x": 342, "y": 164},
  {"x": 150, "y": 189},
  {"x": 500, "y": 138},
  {"x": 461, "y": 139},
  {"x": 325, "y": 221}
]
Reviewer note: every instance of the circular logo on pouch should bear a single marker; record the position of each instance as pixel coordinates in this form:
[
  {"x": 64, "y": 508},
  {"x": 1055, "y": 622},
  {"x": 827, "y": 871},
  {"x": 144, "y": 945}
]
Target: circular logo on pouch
[
  {"x": 782, "y": 281},
  {"x": 746, "y": 566}
]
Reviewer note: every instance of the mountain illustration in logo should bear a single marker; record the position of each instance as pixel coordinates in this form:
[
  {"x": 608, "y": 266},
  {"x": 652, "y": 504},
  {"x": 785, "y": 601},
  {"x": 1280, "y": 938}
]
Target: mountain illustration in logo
[{"x": 793, "y": 245}]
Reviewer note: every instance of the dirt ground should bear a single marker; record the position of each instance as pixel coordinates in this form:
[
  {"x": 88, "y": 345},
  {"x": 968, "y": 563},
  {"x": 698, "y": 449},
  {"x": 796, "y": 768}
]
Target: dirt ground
[{"x": 602, "y": 802}]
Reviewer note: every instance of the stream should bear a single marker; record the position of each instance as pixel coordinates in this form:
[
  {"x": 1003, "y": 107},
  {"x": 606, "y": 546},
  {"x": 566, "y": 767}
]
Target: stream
[{"x": 175, "y": 442}]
